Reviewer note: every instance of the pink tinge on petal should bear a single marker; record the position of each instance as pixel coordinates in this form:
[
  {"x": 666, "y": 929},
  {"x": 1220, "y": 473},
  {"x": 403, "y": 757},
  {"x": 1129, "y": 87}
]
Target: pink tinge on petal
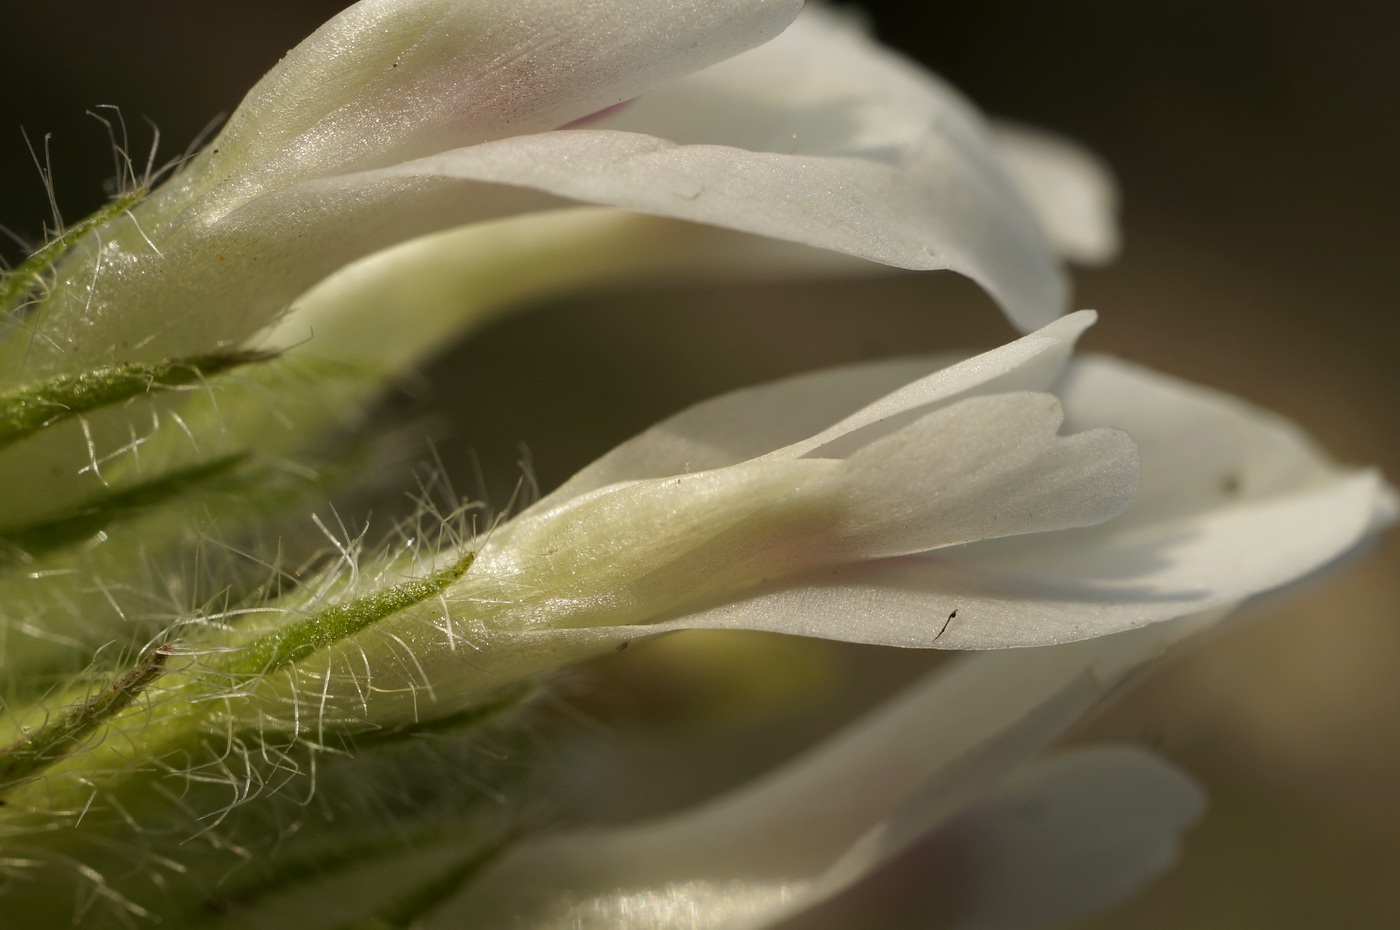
[{"x": 601, "y": 114}]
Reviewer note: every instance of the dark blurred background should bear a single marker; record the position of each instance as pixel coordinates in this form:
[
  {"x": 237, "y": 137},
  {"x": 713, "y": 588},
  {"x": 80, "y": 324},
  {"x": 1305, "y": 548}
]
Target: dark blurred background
[{"x": 1257, "y": 145}]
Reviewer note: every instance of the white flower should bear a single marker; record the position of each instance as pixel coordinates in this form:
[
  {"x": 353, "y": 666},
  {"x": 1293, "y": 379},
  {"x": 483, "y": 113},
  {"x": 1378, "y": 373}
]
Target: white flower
[
  {"x": 903, "y": 503},
  {"x": 405, "y": 117},
  {"x": 1014, "y": 499},
  {"x": 909, "y": 503}
]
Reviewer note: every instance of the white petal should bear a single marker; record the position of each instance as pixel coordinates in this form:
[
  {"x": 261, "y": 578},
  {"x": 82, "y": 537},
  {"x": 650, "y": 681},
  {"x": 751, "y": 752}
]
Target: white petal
[
  {"x": 1071, "y": 191},
  {"x": 804, "y": 832},
  {"x": 631, "y": 552},
  {"x": 626, "y": 552},
  {"x": 402, "y": 305},
  {"x": 269, "y": 209},
  {"x": 824, "y": 88},
  {"x": 795, "y": 416},
  {"x": 748, "y": 423},
  {"x": 1202, "y": 449},
  {"x": 1144, "y": 574},
  {"x": 937, "y": 601},
  {"x": 928, "y": 211},
  {"x": 982, "y": 468},
  {"x": 1031, "y": 363},
  {"x": 1071, "y": 835},
  {"x": 261, "y": 255},
  {"x": 339, "y": 155},
  {"x": 1233, "y": 502},
  {"x": 990, "y": 603},
  {"x": 391, "y": 80},
  {"x": 920, "y": 186}
]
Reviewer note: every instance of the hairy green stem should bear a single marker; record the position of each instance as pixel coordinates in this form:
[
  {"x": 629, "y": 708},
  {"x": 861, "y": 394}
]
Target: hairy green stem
[
  {"x": 69, "y": 529},
  {"x": 501, "y": 702},
  {"x": 184, "y": 707},
  {"x": 27, "y": 410},
  {"x": 282, "y": 647},
  {"x": 346, "y": 852},
  {"x": 419, "y": 902},
  {"x": 35, "y": 752},
  {"x": 31, "y": 271}
]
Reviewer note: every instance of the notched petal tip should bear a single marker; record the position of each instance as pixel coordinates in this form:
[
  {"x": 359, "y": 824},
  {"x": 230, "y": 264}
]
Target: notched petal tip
[{"x": 982, "y": 468}]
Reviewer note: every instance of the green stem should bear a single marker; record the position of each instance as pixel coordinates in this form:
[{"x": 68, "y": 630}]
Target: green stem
[
  {"x": 69, "y": 529},
  {"x": 488, "y": 710},
  {"x": 35, "y": 752},
  {"x": 27, "y": 410},
  {"x": 238, "y": 670},
  {"x": 282, "y": 647},
  {"x": 409, "y": 908},
  {"x": 288, "y": 872},
  {"x": 31, "y": 270}
]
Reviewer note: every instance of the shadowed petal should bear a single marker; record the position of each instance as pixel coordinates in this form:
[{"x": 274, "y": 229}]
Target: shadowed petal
[
  {"x": 1070, "y": 190},
  {"x": 1071, "y": 835},
  {"x": 806, "y": 831}
]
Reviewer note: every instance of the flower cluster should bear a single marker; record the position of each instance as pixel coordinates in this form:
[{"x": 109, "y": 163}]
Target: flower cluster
[{"x": 361, "y": 737}]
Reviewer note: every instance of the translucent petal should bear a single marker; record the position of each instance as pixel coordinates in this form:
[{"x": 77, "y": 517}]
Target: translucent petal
[
  {"x": 1071, "y": 191},
  {"x": 1206, "y": 448},
  {"x": 812, "y": 828},
  {"x": 1069, "y": 836}
]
